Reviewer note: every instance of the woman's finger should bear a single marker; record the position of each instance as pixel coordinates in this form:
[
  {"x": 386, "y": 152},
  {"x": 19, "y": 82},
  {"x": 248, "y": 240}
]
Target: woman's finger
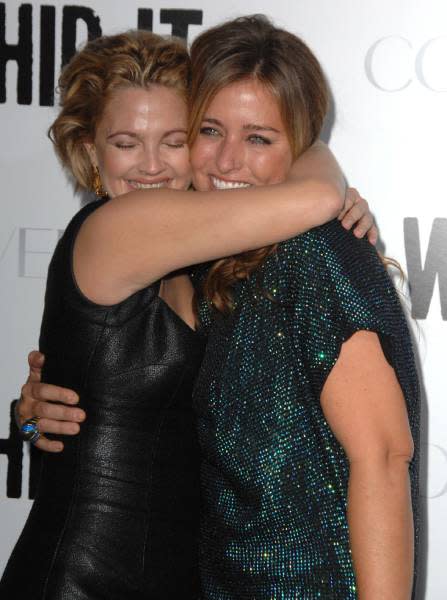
[
  {"x": 35, "y": 361},
  {"x": 58, "y": 412},
  {"x": 50, "y": 393},
  {"x": 350, "y": 200},
  {"x": 373, "y": 235},
  {"x": 359, "y": 212},
  {"x": 363, "y": 224},
  {"x": 47, "y": 445},
  {"x": 58, "y": 427},
  {"x": 366, "y": 227}
]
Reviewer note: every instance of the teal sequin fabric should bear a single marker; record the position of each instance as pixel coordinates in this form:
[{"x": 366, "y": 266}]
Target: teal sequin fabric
[{"x": 274, "y": 477}]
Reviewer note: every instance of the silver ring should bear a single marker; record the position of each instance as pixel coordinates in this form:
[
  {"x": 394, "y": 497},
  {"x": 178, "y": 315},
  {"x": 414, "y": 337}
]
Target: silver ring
[{"x": 29, "y": 431}]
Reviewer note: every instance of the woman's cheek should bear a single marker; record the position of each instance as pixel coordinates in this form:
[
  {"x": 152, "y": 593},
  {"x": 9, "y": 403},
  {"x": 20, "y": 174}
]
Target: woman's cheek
[
  {"x": 114, "y": 164},
  {"x": 274, "y": 169},
  {"x": 184, "y": 163},
  {"x": 202, "y": 152},
  {"x": 263, "y": 167}
]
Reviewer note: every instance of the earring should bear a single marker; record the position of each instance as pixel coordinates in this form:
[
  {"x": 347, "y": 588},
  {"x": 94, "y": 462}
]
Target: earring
[{"x": 97, "y": 184}]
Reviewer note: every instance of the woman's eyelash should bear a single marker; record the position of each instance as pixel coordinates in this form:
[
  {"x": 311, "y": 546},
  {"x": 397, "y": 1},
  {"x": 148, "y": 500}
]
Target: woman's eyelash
[
  {"x": 253, "y": 139},
  {"x": 209, "y": 131},
  {"x": 259, "y": 139},
  {"x": 125, "y": 146}
]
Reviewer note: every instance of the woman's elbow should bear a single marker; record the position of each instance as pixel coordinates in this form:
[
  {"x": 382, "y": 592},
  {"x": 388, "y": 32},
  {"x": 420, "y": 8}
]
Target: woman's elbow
[
  {"x": 385, "y": 454},
  {"x": 401, "y": 450}
]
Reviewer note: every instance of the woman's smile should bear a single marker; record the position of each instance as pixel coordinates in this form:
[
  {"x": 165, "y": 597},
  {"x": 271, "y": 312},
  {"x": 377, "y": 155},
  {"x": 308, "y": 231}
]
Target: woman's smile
[{"x": 242, "y": 140}]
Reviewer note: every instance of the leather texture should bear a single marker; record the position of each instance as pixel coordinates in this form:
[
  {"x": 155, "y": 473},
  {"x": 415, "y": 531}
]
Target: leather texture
[{"x": 116, "y": 514}]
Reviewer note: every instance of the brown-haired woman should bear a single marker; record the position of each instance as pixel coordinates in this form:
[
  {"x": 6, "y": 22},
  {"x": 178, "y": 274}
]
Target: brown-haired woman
[
  {"x": 116, "y": 513},
  {"x": 307, "y": 399}
]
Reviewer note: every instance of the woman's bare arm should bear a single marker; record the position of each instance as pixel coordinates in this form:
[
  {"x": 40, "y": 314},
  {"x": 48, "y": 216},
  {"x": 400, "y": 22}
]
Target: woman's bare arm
[
  {"x": 364, "y": 405},
  {"x": 319, "y": 162},
  {"x": 137, "y": 238}
]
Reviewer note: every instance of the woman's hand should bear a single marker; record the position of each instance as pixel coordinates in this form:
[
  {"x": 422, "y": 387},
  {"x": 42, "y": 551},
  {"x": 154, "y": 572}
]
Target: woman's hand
[
  {"x": 47, "y": 402},
  {"x": 356, "y": 213}
]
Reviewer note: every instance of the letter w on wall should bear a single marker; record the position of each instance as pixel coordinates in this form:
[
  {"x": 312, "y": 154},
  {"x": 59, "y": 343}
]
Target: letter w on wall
[{"x": 422, "y": 279}]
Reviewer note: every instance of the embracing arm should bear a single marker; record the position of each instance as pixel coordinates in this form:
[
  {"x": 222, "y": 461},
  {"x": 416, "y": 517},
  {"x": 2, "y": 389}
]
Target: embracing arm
[
  {"x": 137, "y": 238},
  {"x": 364, "y": 406},
  {"x": 54, "y": 405},
  {"x": 319, "y": 163}
]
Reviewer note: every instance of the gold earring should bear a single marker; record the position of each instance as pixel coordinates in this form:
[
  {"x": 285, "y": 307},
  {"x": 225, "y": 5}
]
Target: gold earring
[{"x": 97, "y": 184}]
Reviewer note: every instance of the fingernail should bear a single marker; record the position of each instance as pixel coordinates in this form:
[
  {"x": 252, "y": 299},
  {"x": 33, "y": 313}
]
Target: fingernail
[
  {"x": 58, "y": 447},
  {"x": 80, "y": 416}
]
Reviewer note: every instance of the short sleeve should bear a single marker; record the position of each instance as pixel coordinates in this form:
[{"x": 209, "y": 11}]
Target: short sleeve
[{"x": 336, "y": 285}]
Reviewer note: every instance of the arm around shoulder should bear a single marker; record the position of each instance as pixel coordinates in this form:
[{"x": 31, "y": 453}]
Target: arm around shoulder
[{"x": 139, "y": 237}]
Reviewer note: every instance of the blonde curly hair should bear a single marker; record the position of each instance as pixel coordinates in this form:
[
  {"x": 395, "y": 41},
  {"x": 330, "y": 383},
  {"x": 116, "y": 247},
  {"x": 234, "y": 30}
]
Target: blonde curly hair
[{"x": 103, "y": 65}]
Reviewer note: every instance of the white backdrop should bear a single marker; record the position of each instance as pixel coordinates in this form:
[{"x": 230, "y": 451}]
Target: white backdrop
[{"x": 386, "y": 63}]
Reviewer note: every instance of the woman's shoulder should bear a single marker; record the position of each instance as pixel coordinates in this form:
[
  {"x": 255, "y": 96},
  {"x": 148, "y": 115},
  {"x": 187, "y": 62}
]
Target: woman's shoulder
[
  {"x": 336, "y": 265},
  {"x": 83, "y": 213},
  {"x": 61, "y": 280},
  {"x": 67, "y": 238},
  {"x": 330, "y": 248},
  {"x": 323, "y": 237}
]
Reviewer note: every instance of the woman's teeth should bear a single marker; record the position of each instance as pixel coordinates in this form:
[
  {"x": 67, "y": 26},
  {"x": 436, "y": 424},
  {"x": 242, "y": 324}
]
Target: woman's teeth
[
  {"x": 219, "y": 184},
  {"x": 147, "y": 186}
]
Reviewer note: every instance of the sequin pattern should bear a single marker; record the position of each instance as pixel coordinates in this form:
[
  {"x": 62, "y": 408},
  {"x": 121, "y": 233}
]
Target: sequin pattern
[{"x": 274, "y": 477}]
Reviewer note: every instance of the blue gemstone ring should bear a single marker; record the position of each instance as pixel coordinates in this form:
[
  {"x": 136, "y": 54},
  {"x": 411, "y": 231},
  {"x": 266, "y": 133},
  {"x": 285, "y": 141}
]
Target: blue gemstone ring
[{"x": 29, "y": 431}]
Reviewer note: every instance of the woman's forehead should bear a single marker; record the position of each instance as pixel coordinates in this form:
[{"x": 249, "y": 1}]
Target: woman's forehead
[{"x": 248, "y": 100}]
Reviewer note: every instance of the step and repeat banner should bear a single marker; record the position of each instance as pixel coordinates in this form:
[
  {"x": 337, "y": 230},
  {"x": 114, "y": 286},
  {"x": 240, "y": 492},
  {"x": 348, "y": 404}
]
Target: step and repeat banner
[{"x": 387, "y": 67}]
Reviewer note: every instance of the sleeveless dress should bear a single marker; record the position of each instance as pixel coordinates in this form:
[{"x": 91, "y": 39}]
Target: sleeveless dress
[
  {"x": 274, "y": 477},
  {"x": 116, "y": 513}
]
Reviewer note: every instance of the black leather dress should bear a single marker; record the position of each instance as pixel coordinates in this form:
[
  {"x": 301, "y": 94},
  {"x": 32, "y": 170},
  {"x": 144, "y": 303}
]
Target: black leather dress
[{"x": 116, "y": 513}]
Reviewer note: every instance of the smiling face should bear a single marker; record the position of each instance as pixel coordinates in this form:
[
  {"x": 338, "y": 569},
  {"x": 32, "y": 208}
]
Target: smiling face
[
  {"x": 140, "y": 141},
  {"x": 242, "y": 140}
]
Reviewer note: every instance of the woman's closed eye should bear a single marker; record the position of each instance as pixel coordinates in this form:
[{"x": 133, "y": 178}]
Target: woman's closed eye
[
  {"x": 123, "y": 146},
  {"x": 175, "y": 142}
]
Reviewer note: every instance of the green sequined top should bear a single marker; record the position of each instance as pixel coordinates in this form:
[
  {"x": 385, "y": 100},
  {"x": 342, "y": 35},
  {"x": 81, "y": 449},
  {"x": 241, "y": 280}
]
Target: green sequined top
[{"x": 274, "y": 477}]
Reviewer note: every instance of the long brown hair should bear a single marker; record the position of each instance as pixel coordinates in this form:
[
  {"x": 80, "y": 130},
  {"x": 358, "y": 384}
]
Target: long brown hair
[
  {"x": 105, "y": 64},
  {"x": 253, "y": 48}
]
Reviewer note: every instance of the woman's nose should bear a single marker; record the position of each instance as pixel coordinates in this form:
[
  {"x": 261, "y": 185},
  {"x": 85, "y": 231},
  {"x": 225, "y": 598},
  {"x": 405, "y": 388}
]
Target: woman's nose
[
  {"x": 230, "y": 156},
  {"x": 151, "y": 162}
]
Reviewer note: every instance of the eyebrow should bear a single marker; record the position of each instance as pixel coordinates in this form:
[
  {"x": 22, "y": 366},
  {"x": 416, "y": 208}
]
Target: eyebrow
[
  {"x": 247, "y": 127},
  {"x": 132, "y": 134},
  {"x": 115, "y": 133}
]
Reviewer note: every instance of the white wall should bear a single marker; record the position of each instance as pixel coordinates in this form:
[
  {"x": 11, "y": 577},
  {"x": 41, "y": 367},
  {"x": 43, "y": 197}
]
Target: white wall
[{"x": 386, "y": 63}]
